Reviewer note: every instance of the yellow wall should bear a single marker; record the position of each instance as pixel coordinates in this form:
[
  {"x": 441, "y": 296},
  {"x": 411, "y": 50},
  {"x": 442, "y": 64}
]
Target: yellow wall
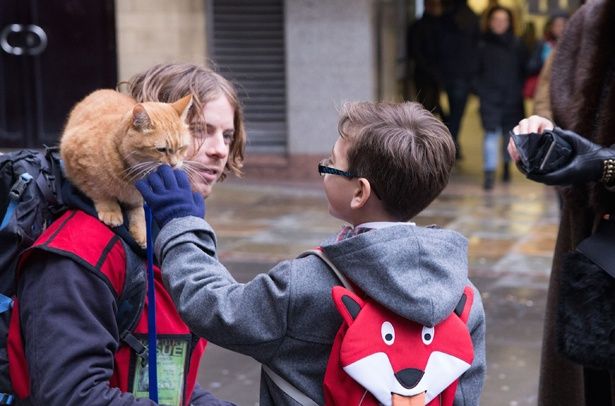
[{"x": 159, "y": 31}]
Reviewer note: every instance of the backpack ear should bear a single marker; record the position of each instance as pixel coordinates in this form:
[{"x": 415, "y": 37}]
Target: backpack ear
[
  {"x": 462, "y": 310},
  {"x": 140, "y": 118},
  {"x": 348, "y": 304}
]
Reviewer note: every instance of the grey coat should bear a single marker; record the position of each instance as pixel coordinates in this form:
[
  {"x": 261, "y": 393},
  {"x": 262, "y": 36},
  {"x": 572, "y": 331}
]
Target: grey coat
[{"x": 286, "y": 318}]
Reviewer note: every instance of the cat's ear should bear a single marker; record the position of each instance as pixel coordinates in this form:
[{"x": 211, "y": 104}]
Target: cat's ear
[
  {"x": 140, "y": 118},
  {"x": 182, "y": 106}
]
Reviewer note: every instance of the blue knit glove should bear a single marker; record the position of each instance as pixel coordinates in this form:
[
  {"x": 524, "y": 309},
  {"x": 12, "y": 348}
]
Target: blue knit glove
[{"x": 169, "y": 194}]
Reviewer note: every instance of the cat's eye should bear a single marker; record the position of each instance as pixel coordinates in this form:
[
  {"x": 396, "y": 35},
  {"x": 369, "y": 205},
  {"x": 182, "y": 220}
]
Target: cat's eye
[{"x": 163, "y": 150}]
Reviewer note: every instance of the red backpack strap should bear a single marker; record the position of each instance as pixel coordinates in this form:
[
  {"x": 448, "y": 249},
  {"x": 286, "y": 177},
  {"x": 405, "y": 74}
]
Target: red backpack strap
[
  {"x": 99, "y": 249},
  {"x": 102, "y": 252}
]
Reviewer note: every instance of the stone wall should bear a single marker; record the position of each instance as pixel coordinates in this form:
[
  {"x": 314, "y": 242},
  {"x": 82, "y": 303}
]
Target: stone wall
[
  {"x": 158, "y": 31},
  {"x": 330, "y": 59}
]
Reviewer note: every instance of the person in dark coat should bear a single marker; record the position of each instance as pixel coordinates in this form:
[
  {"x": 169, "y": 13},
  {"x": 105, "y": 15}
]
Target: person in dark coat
[
  {"x": 422, "y": 48},
  {"x": 457, "y": 44},
  {"x": 499, "y": 83},
  {"x": 583, "y": 101}
]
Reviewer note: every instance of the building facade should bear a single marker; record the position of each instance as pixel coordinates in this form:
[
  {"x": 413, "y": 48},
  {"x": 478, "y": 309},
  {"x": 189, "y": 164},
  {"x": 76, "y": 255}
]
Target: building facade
[{"x": 294, "y": 62}]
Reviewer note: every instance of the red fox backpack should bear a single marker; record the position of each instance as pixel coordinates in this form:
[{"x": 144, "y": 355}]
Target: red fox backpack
[
  {"x": 376, "y": 353},
  {"x": 30, "y": 200}
]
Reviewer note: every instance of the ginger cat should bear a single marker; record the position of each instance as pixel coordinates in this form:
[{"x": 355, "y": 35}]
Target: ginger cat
[{"x": 110, "y": 141}]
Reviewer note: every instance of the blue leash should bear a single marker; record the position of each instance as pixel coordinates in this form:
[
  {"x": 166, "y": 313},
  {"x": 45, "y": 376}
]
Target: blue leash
[{"x": 151, "y": 310}]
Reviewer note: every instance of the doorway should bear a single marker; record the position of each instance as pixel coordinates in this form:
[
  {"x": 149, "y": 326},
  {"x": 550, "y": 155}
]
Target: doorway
[{"x": 52, "y": 54}]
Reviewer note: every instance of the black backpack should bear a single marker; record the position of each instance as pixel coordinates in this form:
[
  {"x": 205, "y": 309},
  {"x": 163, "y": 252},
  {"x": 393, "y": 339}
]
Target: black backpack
[
  {"x": 30, "y": 181},
  {"x": 30, "y": 200}
]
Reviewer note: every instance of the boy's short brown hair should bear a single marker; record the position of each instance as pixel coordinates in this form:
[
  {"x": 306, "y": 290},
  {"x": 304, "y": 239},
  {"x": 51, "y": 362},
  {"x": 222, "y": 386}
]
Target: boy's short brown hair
[{"x": 404, "y": 151}]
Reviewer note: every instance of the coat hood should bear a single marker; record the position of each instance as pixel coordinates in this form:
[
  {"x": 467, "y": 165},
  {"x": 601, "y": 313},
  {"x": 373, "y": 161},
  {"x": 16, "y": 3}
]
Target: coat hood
[{"x": 416, "y": 272}]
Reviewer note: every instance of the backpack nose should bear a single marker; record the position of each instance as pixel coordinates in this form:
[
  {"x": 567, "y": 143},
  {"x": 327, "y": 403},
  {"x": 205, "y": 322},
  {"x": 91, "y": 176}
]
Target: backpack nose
[{"x": 409, "y": 377}]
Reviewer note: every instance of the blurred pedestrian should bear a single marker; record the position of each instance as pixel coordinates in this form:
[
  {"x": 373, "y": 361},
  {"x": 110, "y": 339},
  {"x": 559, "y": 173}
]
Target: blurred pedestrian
[
  {"x": 542, "y": 97},
  {"x": 499, "y": 82},
  {"x": 422, "y": 48},
  {"x": 583, "y": 100},
  {"x": 458, "y": 38},
  {"x": 553, "y": 30}
]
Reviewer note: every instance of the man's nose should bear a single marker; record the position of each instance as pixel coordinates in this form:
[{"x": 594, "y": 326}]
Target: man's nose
[{"x": 215, "y": 146}]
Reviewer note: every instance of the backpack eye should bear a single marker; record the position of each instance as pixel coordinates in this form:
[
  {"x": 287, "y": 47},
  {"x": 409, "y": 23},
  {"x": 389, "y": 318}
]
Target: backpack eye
[
  {"x": 388, "y": 333},
  {"x": 427, "y": 335}
]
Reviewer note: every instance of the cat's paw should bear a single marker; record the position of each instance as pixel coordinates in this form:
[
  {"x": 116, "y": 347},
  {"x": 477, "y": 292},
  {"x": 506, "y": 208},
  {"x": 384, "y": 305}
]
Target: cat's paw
[
  {"x": 139, "y": 234},
  {"x": 111, "y": 218}
]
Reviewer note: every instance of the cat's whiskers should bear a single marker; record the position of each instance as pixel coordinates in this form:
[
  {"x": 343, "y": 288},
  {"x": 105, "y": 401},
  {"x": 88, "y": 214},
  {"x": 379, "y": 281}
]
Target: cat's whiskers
[
  {"x": 193, "y": 173},
  {"x": 141, "y": 170},
  {"x": 131, "y": 170},
  {"x": 196, "y": 167},
  {"x": 195, "y": 164}
]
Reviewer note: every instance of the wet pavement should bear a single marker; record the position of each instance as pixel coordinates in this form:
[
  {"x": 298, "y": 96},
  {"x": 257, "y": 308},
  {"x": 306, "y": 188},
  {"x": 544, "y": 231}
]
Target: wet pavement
[{"x": 511, "y": 233}]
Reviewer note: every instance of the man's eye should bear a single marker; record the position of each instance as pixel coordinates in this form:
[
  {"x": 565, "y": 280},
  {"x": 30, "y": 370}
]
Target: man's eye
[
  {"x": 197, "y": 129},
  {"x": 229, "y": 137}
]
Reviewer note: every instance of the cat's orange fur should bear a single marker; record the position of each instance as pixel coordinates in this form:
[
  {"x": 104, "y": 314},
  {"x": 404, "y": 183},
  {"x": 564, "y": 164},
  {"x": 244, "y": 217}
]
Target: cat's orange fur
[{"x": 110, "y": 141}]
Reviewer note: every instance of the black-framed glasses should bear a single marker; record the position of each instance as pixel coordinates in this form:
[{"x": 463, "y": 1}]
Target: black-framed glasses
[{"x": 324, "y": 169}]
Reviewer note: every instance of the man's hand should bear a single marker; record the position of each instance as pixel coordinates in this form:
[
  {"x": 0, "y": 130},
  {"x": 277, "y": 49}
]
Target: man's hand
[
  {"x": 532, "y": 124},
  {"x": 169, "y": 194}
]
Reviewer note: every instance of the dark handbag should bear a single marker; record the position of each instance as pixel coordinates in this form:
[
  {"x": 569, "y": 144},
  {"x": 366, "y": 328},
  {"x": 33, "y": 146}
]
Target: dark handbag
[{"x": 585, "y": 325}]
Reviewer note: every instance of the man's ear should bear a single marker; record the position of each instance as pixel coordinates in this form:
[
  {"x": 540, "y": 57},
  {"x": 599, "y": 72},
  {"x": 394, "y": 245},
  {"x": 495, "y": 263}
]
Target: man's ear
[{"x": 361, "y": 194}]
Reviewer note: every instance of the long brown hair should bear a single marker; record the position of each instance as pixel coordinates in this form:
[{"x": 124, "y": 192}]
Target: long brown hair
[{"x": 170, "y": 82}]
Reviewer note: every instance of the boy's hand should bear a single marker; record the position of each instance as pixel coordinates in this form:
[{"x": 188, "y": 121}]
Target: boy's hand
[
  {"x": 169, "y": 194},
  {"x": 532, "y": 124}
]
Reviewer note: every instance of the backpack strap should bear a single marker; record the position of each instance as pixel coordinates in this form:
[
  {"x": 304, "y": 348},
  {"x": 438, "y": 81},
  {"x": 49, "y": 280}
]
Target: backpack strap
[
  {"x": 318, "y": 252},
  {"x": 91, "y": 252},
  {"x": 50, "y": 181},
  {"x": 131, "y": 302},
  {"x": 282, "y": 383},
  {"x": 15, "y": 193},
  {"x": 288, "y": 388}
]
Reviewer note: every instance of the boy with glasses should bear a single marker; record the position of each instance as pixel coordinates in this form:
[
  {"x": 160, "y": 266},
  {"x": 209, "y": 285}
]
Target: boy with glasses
[{"x": 286, "y": 318}]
